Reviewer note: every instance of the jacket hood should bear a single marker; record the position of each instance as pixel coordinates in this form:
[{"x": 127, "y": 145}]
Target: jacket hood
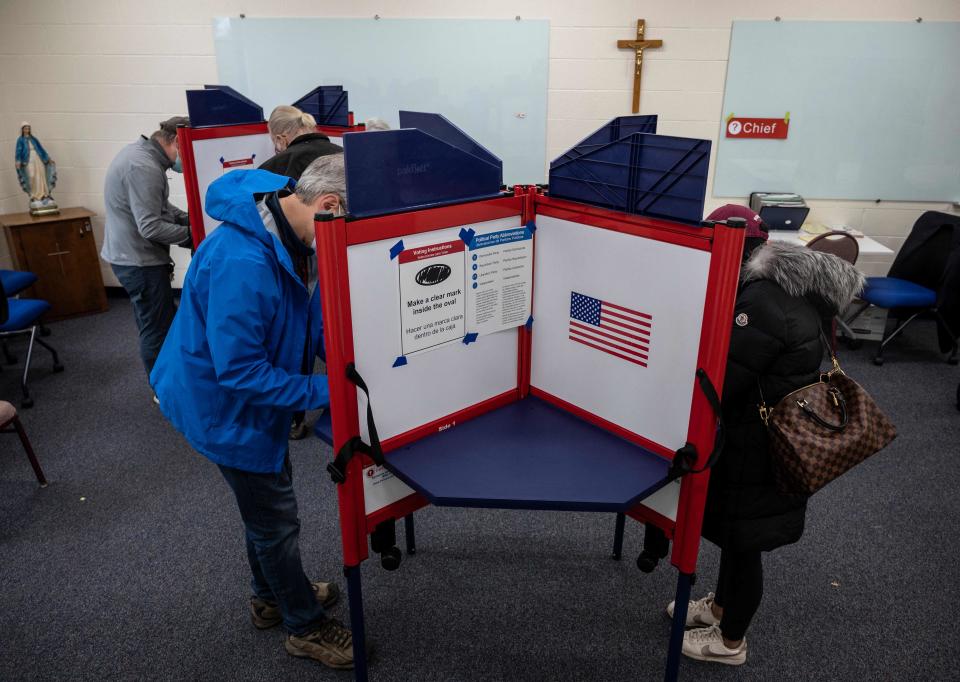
[
  {"x": 822, "y": 277},
  {"x": 230, "y": 198}
]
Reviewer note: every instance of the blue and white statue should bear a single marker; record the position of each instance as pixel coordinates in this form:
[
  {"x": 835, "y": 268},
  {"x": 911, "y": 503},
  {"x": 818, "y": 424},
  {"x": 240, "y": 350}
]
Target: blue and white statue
[{"x": 36, "y": 172}]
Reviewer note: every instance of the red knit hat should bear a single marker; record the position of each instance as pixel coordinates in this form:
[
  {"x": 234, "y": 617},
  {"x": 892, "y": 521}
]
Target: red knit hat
[{"x": 755, "y": 226}]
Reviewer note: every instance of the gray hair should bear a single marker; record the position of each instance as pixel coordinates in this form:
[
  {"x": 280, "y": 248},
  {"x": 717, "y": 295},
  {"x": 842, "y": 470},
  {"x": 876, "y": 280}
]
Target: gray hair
[
  {"x": 376, "y": 124},
  {"x": 168, "y": 129},
  {"x": 289, "y": 121},
  {"x": 326, "y": 175}
]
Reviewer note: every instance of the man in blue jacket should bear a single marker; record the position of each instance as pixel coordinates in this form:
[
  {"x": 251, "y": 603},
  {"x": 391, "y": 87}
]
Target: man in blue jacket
[{"x": 238, "y": 361}]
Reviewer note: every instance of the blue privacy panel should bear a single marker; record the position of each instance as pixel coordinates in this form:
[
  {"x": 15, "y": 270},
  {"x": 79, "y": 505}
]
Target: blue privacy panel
[
  {"x": 611, "y": 132},
  {"x": 490, "y": 76},
  {"x": 873, "y": 110},
  {"x": 396, "y": 170},
  {"x": 219, "y": 105},
  {"x": 328, "y": 104},
  {"x": 654, "y": 175},
  {"x": 443, "y": 129}
]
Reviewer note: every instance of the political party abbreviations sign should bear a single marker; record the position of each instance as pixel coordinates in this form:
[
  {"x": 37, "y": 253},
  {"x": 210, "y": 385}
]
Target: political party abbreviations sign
[{"x": 500, "y": 280}]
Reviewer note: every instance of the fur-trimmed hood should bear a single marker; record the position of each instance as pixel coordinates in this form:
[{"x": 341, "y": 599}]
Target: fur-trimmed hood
[{"x": 821, "y": 277}]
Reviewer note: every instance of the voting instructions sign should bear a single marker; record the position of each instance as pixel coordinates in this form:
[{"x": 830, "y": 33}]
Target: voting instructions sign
[
  {"x": 432, "y": 300},
  {"x": 500, "y": 280}
]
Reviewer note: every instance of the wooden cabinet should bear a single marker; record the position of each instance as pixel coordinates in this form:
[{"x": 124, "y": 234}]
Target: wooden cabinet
[{"x": 61, "y": 251}]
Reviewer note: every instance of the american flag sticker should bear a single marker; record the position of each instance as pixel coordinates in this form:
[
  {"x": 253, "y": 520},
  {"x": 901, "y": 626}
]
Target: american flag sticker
[{"x": 613, "y": 329}]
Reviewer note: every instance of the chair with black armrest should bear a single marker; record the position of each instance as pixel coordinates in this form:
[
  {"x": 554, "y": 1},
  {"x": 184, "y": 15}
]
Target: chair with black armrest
[
  {"x": 846, "y": 247},
  {"x": 924, "y": 279},
  {"x": 10, "y": 423},
  {"x": 20, "y": 316}
]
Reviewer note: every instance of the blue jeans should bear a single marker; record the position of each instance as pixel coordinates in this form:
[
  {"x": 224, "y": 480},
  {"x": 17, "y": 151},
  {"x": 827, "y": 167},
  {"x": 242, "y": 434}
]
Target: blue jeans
[
  {"x": 152, "y": 297},
  {"x": 268, "y": 507}
]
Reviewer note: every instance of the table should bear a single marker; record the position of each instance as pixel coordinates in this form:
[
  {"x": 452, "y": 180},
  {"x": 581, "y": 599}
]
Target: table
[{"x": 868, "y": 246}]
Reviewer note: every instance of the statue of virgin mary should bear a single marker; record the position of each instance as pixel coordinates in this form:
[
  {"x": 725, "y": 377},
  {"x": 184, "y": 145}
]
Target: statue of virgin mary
[{"x": 36, "y": 172}]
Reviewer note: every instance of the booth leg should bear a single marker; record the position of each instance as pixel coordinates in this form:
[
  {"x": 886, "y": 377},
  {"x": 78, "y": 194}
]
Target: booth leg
[
  {"x": 355, "y": 596},
  {"x": 678, "y": 627},
  {"x": 618, "y": 537},
  {"x": 409, "y": 534}
]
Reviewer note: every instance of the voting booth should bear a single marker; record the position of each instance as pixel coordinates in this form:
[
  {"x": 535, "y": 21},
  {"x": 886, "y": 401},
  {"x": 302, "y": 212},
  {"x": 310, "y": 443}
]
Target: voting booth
[
  {"x": 524, "y": 349},
  {"x": 228, "y": 132}
]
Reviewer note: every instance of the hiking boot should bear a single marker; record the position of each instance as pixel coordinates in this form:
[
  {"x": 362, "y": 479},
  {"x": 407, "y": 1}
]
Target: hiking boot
[
  {"x": 699, "y": 612},
  {"x": 706, "y": 644},
  {"x": 330, "y": 644},
  {"x": 265, "y": 614}
]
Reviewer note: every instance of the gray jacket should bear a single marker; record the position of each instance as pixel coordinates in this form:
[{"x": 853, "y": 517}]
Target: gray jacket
[{"x": 141, "y": 223}]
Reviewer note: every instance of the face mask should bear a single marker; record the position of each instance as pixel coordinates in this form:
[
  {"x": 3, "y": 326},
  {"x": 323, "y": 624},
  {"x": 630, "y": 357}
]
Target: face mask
[{"x": 177, "y": 165}]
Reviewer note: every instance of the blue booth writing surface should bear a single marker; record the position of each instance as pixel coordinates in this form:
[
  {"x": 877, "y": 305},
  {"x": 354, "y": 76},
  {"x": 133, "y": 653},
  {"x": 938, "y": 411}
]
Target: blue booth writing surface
[{"x": 874, "y": 110}]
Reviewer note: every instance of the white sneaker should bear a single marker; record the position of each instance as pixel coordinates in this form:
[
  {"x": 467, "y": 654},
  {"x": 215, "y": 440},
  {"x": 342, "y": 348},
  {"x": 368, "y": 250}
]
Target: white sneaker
[
  {"x": 699, "y": 612},
  {"x": 706, "y": 644}
]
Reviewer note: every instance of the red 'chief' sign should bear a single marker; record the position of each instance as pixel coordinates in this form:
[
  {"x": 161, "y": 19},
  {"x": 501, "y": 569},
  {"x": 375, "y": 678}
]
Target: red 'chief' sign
[{"x": 763, "y": 128}]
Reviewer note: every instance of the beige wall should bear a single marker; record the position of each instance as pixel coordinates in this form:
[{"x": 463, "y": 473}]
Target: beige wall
[{"x": 91, "y": 75}]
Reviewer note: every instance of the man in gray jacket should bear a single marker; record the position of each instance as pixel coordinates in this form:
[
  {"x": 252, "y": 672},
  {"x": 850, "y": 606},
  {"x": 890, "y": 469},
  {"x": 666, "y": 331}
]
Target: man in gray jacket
[{"x": 141, "y": 224}]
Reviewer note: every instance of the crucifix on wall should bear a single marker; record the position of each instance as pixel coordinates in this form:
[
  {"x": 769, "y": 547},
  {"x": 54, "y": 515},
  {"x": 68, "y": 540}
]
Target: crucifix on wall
[{"x": 638, "y": 45}]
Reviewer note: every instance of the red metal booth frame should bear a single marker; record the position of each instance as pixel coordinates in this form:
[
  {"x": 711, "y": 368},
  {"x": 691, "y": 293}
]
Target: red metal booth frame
[
  {"x": 186, "y": 136},
  {"x": 336, "y": 235}
]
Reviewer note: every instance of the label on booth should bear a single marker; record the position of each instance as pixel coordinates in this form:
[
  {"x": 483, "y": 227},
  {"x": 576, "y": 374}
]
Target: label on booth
[
  {"x": 237, "y": 164},
  {"x": 432, "y": 299},
  {"x": 500, "y": 280}
]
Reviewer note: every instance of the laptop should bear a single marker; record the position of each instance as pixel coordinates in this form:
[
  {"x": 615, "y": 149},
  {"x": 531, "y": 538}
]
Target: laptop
[{"x": 783, "y": 217}]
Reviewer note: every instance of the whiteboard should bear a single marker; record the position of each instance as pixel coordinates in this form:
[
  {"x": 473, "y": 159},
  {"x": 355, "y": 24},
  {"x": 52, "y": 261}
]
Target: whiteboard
[
  {"x": 489, "y": 77},
  {"x": 666, "y": 281},
  {"x": 873, "y": 110}
]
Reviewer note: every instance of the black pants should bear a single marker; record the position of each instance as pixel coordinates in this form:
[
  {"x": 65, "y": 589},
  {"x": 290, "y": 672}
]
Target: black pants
[
  {"x": 153, "y": 307},
  {"x": 739, "y": 591}
]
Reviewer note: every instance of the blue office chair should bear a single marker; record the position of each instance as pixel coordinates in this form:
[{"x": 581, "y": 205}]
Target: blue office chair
[
  {"x": 20, "y": 316},
  {"x": 15, "y": 281},
  {"x": 922, "y": 280}
]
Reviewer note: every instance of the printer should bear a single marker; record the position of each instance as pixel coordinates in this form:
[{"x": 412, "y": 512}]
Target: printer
[{"x": 780, "y": 210}]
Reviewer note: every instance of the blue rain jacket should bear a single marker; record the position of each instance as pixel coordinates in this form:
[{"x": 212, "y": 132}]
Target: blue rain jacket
[{"x": 229, "y": 374}]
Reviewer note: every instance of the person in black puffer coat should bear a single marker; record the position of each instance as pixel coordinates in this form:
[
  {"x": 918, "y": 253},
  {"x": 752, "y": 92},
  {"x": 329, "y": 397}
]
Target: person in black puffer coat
[
  {"x": 296, "y": 141},
  {"x": 298, "y": 144},
  {"x": 788, "y": 295}
]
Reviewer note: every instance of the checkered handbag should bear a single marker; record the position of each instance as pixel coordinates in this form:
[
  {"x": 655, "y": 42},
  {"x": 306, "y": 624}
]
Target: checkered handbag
[{"x": 821, "y": 431}]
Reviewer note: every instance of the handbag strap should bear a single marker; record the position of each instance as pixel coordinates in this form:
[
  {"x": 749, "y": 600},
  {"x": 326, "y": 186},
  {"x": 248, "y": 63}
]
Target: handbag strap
[{"x": 766, "y": 411}]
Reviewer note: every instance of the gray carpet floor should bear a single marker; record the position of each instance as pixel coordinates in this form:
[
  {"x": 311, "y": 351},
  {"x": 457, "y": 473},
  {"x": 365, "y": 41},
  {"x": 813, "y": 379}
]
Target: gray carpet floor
[{"x": 130, "y": 565}]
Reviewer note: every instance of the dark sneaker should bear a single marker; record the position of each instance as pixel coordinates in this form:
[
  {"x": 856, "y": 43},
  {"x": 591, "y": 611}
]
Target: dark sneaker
[
  {"x": 330, "y": 644},
  {"x": 298, "y": 430},
  {"x": 266, "y": 614}
]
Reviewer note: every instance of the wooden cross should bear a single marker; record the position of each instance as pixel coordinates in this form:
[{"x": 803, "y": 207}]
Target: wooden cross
[{"x": 639, "y": 45}]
